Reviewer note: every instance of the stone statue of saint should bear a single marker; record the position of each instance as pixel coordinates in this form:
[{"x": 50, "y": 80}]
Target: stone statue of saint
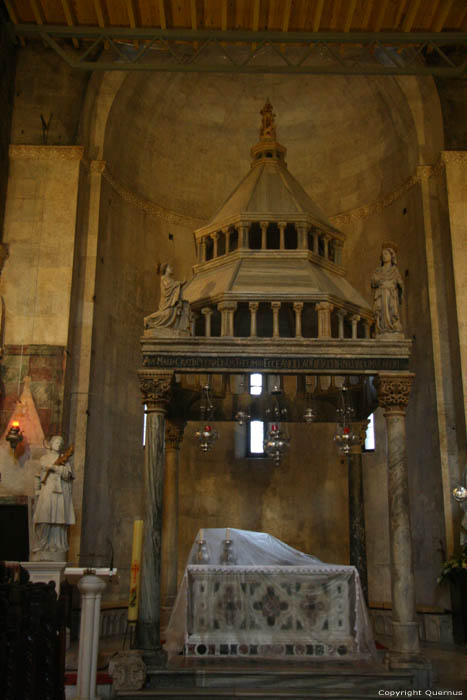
[
  {"x": 54, "y": 507},
  {"x": 389, "y": 289},
  {"x": 173, "y": 316}
]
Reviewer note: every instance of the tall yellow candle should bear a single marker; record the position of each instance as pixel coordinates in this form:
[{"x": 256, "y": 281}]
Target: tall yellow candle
[{"x": 135, "y": 571}]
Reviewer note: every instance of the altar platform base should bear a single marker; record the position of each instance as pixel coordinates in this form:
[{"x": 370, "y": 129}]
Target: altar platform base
[{"x": 213, "y": 680}]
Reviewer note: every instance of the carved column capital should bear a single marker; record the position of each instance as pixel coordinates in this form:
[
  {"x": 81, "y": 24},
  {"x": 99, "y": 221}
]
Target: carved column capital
[
  {"x": 359, "y": 428},
  {"x": 156, "y": 388},
  {"x": 394, "y": 391},
  {"x": 174, "y": 434},
  {"x": 324, "y": 306}
]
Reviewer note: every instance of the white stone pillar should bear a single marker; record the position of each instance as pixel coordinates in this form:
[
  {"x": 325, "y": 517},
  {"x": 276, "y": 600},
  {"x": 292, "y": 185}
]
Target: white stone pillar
[
  {"x": 324, "y": 309},
  {"x": 302, "y": 230},
  {"x": 264, "y": 231},
  {"x": 215, "y": 239},
  {"x": 202, "y": 250},
  {"x": 282, "y": 225},
  {"x": 227, "y": 241},
  {"x": 227, "y": 309},
  {"x": 298, "y": 308},
  {"x": 253, "y": 306},
  {"x": 326, "y": 239},
  {"x": 91, "y": 588},
  {"x": 316, "y": 242},
  {"x": 338, "y": 246},
  {"x": 354, "y": 319},
  {"x": 243, "y": 235},
  {"x": 341, "y": 314},
  {"x": 207, "y": 313},
  {"x": 275, "y": 306}
]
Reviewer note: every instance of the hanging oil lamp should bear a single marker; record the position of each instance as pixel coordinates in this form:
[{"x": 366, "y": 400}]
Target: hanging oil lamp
[
  {"x": 344, "y": 438},
  {"x": 277, "y": 441},
  {"x": 206, "y": 435}
]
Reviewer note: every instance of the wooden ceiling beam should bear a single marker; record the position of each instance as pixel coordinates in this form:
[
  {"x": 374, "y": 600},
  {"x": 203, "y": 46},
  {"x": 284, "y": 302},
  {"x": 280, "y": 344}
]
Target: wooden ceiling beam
[
  {"x": 162, "y": 16},
  {"x": 318, "y": 13},
  {"x": 271, "y": 8},
  {"x": 302, "y": 14},
  {"x": 286, "y": 15},
  {"x": 38, "y": 16},
  {"x": 69, "y": 20},
  {"x": 367, "y": 13},
  {"x": 463, "y": 19},
  {"x": 131, "y": 18},
  {"x": 14, "y": 18},
  {"x": 349, "y": 15},
  {"x": 194, "y": 15},
  {"x": 255, "y": 20},
  {"x": 37, "y": 12},
  {"x": 99, "y": 13},
  {"x": 441, "y": 16},
  {"x": 335, "y": 14},
  {"x": 399, "y": 13},
  {"x": 286, "y": 19},
  {"x": 224, "y": 15},
  {"x": 410, "y": 16},
  {"x": 380, "y": 15}
]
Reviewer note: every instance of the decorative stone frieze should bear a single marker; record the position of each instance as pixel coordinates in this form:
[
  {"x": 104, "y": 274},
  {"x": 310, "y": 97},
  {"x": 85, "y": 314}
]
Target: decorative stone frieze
[{"x": 156, "y": 388}]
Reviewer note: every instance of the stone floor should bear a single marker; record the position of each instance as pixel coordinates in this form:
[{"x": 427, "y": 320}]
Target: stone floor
[{"x": 449, "y": 665}]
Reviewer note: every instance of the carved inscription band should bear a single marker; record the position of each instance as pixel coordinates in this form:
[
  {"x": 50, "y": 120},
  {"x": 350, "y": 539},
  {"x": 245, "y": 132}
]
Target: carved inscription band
[{"x": 193, "y": 363}]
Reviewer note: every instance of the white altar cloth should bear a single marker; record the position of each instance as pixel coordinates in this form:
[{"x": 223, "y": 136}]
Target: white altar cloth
[{"x": 268, "y": 601}]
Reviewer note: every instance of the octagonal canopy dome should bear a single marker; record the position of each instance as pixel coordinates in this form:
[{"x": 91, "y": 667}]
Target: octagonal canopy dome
[{"x": 271, "y": 245}]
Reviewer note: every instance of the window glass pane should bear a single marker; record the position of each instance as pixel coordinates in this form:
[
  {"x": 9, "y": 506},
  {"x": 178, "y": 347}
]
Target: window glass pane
[
  {"x": 256, "y": 384},
  {"x": 256, "y": 437},
  {"x": 370, "y": 434}
]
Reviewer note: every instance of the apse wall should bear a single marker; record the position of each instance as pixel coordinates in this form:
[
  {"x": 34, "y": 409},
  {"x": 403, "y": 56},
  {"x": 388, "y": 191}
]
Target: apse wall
[{"x": 180, "y": 146}]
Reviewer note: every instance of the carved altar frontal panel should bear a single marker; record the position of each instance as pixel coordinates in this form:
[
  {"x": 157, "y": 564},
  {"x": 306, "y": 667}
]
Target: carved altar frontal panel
[{"x": 272, "y": 612}]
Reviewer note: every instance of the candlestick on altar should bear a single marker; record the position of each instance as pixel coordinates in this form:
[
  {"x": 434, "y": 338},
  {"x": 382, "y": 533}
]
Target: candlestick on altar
[
  {"x": 135, "y": 571},
  {"x": 201, "y": 533},
  {"x": 227, "y": 533}
]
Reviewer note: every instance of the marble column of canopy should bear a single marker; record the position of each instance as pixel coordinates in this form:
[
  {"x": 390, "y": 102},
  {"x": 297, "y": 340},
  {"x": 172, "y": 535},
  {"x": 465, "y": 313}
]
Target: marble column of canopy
[
  {"x": 356, "y": 506},
  {"x": 393, "y": 396},
  {"x": 173, "y": 439},
  {"x": 156, "y": 388}
]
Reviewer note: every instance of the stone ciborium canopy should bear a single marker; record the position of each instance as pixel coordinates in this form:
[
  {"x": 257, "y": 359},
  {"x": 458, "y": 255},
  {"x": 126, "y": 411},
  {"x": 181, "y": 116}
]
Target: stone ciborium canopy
[{"x": 269, "y": 292}]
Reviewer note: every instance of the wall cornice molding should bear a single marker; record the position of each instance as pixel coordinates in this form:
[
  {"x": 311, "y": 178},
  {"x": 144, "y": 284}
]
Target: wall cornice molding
[
  {"x": 157, "y": 211},
  {"x": 17, "y": 151},
  {"x": 423, "y": 172}
]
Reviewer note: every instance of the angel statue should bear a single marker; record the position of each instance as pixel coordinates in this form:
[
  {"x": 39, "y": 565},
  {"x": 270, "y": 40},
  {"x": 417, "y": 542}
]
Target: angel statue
[
  {"x": 389, "y": 290},
  {"x": 173, "y": 316},
  {"x": 53, "y": 510}
]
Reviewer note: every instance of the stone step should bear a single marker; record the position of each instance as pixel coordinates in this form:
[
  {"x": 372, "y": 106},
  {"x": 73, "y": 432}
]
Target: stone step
[
  {"x": 365, "y": 682},
  {"x": 250, "y": 693}
]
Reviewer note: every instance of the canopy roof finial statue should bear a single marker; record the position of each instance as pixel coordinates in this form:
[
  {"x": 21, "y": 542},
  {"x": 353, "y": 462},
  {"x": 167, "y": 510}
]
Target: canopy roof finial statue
[{"x": 268, "y": 127}]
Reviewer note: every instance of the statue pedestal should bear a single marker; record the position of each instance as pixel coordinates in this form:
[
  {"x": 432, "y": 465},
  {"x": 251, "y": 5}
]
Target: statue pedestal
[{"x": 45, "y": 571}]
